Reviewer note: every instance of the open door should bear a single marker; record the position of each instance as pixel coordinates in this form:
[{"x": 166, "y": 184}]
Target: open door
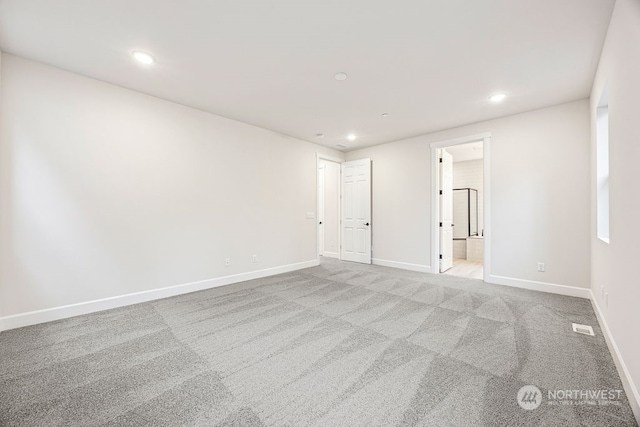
[
  {"x": 446, "y": 211},
  {"x": 321, "y": 208},
  {"x": 356, "y": 211},
  {"x": 329, "y": 208}
]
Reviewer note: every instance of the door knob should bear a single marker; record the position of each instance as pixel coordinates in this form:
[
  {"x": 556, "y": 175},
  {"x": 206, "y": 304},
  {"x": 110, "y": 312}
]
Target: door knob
[
  {"x": 366, "y": 223},
  {"x": 320, "y": 222}
]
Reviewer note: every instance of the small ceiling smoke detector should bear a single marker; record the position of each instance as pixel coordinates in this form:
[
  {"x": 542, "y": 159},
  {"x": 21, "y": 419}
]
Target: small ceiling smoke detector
[
  {"x": 385, "y": 114},
  {"x": 143, "y": 57},
  {"x": 351, "y": 137},
  {"x": 498, "y": 97},
  {"x": 340, "y": 76},
  {"x": 319, "y": 135},
  {"x": 341, "y": 146}
]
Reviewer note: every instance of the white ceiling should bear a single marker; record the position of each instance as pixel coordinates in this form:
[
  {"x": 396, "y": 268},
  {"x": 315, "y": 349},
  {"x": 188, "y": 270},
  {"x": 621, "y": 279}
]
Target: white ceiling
[
  {"x": 466, "y": 152},
  {"x": 430, "y": 64}
]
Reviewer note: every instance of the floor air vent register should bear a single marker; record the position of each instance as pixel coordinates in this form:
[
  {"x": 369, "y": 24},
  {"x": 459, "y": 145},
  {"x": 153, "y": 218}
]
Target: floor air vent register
[{"x": 582, "y": 329}]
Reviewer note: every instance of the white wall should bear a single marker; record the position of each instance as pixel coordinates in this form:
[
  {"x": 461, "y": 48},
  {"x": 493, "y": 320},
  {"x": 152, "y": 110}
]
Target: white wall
[
  {"x": 539, "y": 195},
  {"x": 400, "y": 181},
  {"x": 106, "y": 192},
  {"x": 615, "y": 265},
  {"x": 331, "y": 217}
]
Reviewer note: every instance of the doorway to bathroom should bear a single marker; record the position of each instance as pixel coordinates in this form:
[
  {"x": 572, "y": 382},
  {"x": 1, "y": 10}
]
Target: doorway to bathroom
[{"x": 460, "y": 209}]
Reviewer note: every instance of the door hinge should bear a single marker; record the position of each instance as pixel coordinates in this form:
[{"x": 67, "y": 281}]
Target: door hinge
[
  {"x": 440, "y": 224},
  {"x": 440, "y": 159},
  {"x": 440, "y": 256},
  {"x": 441, "y": 192}
]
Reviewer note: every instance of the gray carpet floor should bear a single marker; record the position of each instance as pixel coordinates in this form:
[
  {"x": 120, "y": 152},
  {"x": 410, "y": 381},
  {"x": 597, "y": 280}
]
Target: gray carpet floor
[{"x": 340, "y": 344}]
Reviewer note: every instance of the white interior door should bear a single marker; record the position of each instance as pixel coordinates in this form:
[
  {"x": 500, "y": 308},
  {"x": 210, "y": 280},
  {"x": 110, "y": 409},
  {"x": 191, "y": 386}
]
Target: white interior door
[
  {"x": 321, "y": 208},
  {"x": 446, "y": 211},
  {"x": 356, "y": 211}
]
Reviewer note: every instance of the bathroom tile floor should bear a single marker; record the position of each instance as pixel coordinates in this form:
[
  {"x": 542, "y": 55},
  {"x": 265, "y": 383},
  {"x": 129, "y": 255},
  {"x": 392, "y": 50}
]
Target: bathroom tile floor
[{"x": 467, "y": 269}]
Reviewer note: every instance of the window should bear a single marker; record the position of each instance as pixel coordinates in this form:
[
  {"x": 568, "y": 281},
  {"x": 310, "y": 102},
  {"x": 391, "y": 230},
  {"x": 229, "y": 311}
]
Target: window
[{"x": 602, "y": 167}]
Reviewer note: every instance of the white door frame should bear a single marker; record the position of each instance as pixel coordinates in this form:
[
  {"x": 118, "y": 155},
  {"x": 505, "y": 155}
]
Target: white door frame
[
  {"x": 320, "y": 156},
  {"x": 435, "y": 199}
]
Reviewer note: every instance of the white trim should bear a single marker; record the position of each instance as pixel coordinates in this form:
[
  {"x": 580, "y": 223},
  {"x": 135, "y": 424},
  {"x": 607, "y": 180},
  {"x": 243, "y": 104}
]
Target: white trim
[
  {"x": 317, "y": 206},
  {"x": 435, "y": 211},
  {"x": 627, "y": 382},
  {"x": 486, "y": 206},
  {"x": 553, "y": 288},
  {"x": 461, "y": 140},
  {"x": 329, "y": 158},
  {"x": 402, "y": 265},
  {"x": 57, "y": 313}
]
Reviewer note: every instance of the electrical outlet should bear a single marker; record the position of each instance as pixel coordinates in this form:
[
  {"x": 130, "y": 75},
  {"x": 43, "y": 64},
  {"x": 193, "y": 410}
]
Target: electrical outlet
[
  {"x": 606, "y": 299},
  {"x": 227, "y": 262},
  {"x": 254, "y": 258},
  {"x": 602, "y": 292},
  {"x": 541, "y": 267}
]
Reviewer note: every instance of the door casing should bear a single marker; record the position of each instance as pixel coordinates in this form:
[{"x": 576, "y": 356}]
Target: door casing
[{"x": 435, "y": 198}]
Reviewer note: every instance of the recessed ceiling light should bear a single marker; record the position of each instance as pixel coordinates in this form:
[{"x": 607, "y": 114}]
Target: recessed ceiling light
[
  {"x": 319, "y": 135},
  {"x": 498, "y": 97},
  {"x": 340, "y": 76},
  {"x": 143, "y": 57},
  {"x": 351, "y": 137},
  {"x": 385, "y": 114},
  {"x": 341, "y": 146}
]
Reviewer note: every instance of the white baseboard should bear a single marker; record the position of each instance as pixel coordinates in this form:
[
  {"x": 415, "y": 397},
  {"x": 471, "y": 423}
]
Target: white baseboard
[
  {"x": 57, "y": 313},
  {"x": 402, "y": 265},
  {"x": 532, "y": 285},
  {"x": 627, "y": 382},
  {"x": 335, "y": 255}
]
